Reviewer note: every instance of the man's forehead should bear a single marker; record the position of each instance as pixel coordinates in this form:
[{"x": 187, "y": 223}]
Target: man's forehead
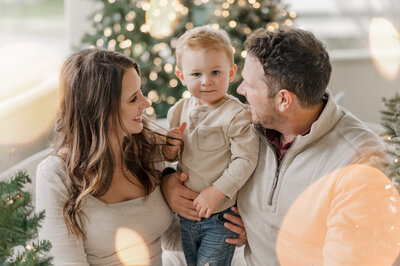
[{"x": 253, "y": 67}]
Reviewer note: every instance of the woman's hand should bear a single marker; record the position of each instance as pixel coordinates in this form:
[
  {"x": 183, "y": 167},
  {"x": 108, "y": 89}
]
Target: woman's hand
[
  {"x": 236, "y": 226},
  {"x": 179, "y": 198}
]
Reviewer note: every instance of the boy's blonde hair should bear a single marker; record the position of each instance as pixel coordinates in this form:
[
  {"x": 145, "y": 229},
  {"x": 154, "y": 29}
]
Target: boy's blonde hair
[{"x": 204, "y": 37}]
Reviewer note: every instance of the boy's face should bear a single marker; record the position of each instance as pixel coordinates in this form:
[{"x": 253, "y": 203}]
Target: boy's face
[{"x": 206, "y": 73}]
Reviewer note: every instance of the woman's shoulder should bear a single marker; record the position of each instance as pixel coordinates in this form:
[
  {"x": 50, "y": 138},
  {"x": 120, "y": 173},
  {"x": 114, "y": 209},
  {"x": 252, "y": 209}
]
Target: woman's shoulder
[{"x": 52, "y": 168}]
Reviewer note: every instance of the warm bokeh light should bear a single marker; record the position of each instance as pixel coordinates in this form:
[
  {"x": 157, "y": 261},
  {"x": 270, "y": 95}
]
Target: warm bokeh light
[
  {"x": 384, "y": 41},
  {"x": 28, "y": 91},
  {"x": 348, "y": 217},
  {"x": 161, "y": 17},
  {"x": 131, "y": 248}
]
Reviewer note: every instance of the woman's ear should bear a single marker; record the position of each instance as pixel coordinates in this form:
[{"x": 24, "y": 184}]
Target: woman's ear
[
  {"x": 232, "y": 72},
  {"x": 180, "y": 76}
]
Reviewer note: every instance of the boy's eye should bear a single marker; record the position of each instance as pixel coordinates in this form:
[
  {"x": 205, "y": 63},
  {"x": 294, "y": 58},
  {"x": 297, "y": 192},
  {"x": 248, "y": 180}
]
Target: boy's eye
[
  {"x": 215, "y": 72},
  {"x": 133, "y": 100},
  {"x": 196, "y": 74}
]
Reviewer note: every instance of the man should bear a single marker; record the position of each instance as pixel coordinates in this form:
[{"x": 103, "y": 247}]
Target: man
[{"x": 317, "y": 196}]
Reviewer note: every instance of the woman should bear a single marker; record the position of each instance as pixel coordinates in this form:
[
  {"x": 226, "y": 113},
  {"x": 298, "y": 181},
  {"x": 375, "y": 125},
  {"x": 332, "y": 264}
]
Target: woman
[{"x": 100, "y": 187}]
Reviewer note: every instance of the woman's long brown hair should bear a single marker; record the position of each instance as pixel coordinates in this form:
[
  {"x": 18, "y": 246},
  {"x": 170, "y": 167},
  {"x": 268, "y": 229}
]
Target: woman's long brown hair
[{"x": 91, "y": 85}]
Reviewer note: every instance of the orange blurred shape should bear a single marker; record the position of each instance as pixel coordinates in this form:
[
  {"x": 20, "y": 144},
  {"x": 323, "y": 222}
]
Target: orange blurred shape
[
  {"x": 348, "y": 217},
  {"x": 384, "y": 42},
  {"x": 131, "y": 248}
]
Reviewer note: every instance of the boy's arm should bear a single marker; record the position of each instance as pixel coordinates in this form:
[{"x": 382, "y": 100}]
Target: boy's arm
[{"x": 244, "y": 144}]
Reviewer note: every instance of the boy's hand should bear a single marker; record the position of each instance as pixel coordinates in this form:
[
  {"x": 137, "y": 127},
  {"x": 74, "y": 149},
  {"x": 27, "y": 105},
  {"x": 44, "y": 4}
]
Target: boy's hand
[
  {"x": 208, "y": 199},
  {"x": 174, "y": 139}
]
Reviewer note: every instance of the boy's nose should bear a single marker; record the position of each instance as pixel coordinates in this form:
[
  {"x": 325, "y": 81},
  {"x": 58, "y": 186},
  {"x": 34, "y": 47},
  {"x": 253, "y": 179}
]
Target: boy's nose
[{"x": 206, "y": 81}]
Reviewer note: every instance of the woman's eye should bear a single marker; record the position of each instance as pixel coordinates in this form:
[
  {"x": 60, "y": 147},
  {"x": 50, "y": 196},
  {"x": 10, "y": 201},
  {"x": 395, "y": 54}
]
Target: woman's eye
[
  {"x": 215, "y": 72},
  {"x": 133, "y": 100}
]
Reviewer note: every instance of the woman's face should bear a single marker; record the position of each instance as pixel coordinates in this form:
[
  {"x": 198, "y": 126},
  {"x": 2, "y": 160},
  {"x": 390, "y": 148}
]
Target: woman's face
[{"x": 132, "y": 102}]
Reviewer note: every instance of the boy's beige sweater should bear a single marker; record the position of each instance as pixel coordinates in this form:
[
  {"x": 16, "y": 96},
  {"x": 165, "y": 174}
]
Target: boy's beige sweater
[{"x": 220, "y": 146}]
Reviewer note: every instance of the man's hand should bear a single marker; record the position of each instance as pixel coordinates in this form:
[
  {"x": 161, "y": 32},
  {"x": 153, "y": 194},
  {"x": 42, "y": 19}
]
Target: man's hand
[
  {"x": 208, "y": 199},
  {"x": 179, "y": 198},
  {"x": 235, "y": 225},
  {"x": 174, "y": 139}
]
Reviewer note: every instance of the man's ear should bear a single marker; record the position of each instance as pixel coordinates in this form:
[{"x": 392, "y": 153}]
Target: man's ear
[
  {"x": 232, "y": 72},
  {"x": 284, "y": 100},
  {"x": 179, "y": 74}
]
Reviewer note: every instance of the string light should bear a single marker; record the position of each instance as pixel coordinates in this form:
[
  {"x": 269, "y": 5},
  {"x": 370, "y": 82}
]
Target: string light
[
  {"x": 130, "y": 27},
  {"x": 157, "y": 61},
  {"x": 218, "y": 12},
  {"x": 168, "y": 68},
  {"x": 150, "y": 111},
  {"x": 225, "y": 13},
  {"x": 111, "y": 44},
  {"x": 97, "y": 18},
  {"x": 186, "y": 94},
  {"x": 284, "y": 12},
  {"x": 189, "y": 25},
  {"x": 252, "y": 1},
  {"x": 292, "y": 14},
  {"x": 120, "y": 38},
  {"x": 225, "y": 5},
  {"x": 99, "y": 42},
  {"x": 117, "y": 28},
  {"x": 289, "y": 22},
  {"x": 173, "y": 83},
  {"x": 153, "y": 96},
  {"x": 230, "y": 1},
  {"x": 111, "y": 1},
  {"x": 232, "y": 24},
  {"x": 256, "y": 5},
  {"x": 247, "y": 30},
  {"x": 171, "y": 100},
  {"x": 130, "y": 16},
  {"x": 242, "y": 3},
  {"x": 215, "y": 26},
  {"x": 243, "y": 54},
  {"x": 153, "y": 75},
  {"x": 107, "y": 32}
]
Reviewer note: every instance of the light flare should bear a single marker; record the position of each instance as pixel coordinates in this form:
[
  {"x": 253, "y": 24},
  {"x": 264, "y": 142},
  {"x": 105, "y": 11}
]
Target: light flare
[{"x": 384, "y": 42}]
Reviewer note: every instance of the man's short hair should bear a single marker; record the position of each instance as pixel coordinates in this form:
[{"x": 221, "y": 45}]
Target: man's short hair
[
  {"x": 204, "y": 37},
  {"x": 293, "y": 59}
]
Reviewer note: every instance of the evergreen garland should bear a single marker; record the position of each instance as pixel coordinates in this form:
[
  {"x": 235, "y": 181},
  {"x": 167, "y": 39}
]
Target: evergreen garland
[
  {"x": 19, "y": 225},
  {"x": 391, "y": 122}
]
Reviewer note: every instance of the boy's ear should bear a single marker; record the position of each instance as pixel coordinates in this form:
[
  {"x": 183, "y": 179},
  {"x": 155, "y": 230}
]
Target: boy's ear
[
  {"x": 232, "y": 72},
  {"x": 179, "y": 74}
]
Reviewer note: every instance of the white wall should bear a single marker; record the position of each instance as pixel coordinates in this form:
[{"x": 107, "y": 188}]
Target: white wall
[{"x": 354, "y": 73}]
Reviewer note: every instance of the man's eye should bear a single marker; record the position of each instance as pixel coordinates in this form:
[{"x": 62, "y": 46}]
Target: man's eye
[
  {"x": 133, "y": 100},
  {"x": 215, "y": 72}
]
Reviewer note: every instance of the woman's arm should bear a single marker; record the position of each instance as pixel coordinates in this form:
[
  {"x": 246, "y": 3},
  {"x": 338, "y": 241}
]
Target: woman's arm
[{"x": 51, "y": 195}]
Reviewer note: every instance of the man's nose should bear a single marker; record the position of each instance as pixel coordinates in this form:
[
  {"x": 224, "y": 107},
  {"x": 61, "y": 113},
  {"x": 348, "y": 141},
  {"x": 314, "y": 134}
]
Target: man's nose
[{"x": 241, "y": 90}]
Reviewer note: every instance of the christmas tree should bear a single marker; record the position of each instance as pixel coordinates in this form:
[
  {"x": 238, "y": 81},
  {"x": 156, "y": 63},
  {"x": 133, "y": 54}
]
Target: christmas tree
[
  {"x": 19, "y": 224},
  {"x": 391, "y": 122},
  {"x": 148, "y": 31}
]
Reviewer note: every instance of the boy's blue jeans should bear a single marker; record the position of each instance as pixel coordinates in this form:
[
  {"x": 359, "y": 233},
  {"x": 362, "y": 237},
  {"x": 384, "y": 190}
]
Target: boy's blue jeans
[{"x": 204, "y": 242}]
